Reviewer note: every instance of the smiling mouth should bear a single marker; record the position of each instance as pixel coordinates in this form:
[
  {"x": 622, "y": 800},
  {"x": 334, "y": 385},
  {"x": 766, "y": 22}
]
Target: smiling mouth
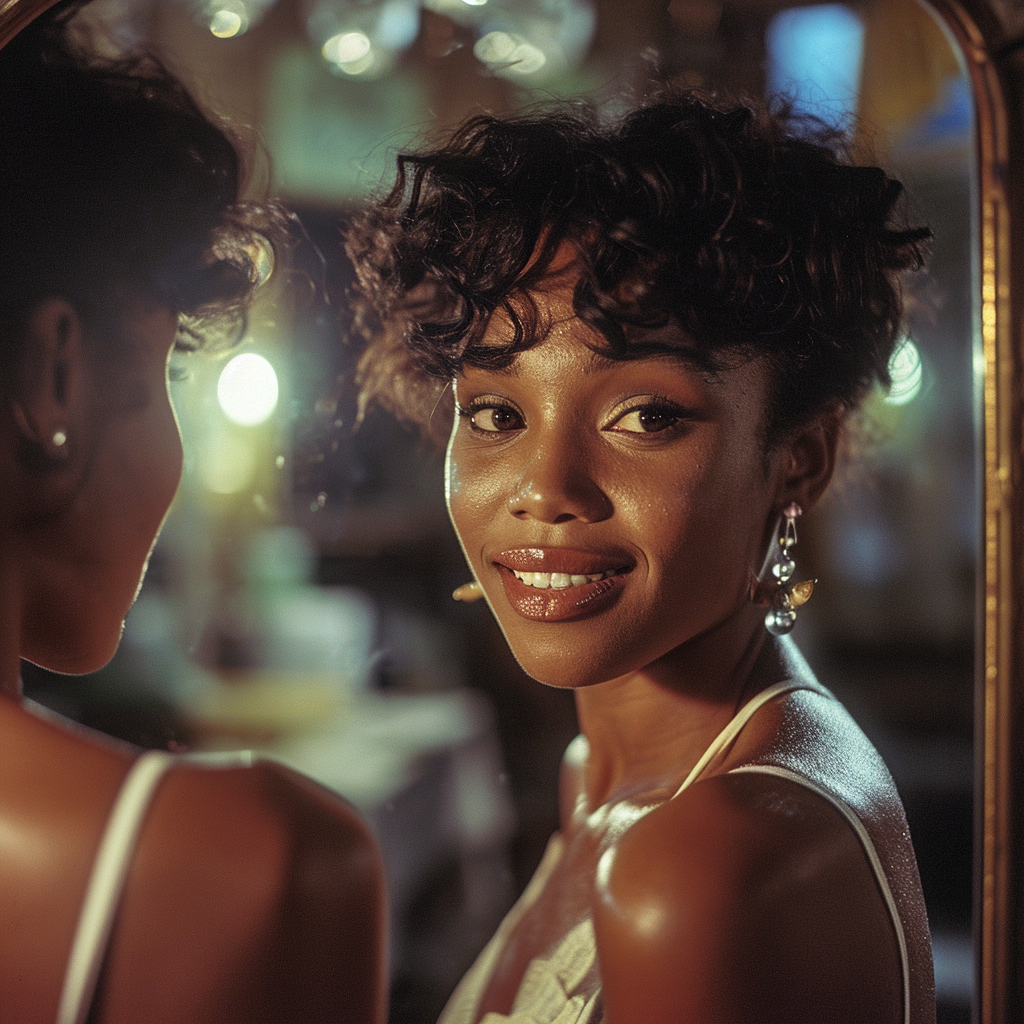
[
  {"x": 558, "y": 584},
  {"x": 563, "y": 580}
]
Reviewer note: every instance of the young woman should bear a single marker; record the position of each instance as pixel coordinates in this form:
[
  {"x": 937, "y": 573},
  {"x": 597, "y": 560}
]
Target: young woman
[
  {"x": 652, "y": 333},
  {"x": 135, "y": 888}
]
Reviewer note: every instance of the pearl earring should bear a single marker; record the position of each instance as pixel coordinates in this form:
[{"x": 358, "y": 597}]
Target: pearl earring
[
  {"x": 787, "y": 597},
  {"x": 59, "y": 443}
]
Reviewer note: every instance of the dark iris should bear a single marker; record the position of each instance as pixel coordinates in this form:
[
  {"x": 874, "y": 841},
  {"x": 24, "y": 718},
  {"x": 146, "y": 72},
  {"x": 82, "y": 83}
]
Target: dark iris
[
  {"x": 653, "y": 419},
  {"x": 504, "y": 418}
]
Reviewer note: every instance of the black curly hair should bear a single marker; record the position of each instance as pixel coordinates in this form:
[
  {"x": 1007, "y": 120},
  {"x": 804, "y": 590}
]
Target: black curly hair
[
  {"x": 750, "y": 229},
  {"x": 114, "y": 181}
]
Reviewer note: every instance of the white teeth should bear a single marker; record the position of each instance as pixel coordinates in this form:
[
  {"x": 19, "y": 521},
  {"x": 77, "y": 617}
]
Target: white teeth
[{"x": 560, "y": 580}]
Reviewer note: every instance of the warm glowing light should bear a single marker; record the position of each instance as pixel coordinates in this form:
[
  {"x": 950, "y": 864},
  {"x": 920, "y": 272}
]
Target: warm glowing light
[
  {"x": 225, "y": 24},
  {"x": 247, "y": 389},
  {"x": 907, "y": 373},
  {"x": 347, "y": 48}
]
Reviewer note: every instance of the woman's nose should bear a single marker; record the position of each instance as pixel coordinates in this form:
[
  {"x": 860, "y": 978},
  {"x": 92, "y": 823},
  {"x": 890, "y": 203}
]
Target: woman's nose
[{"x": 558, "y": 487}]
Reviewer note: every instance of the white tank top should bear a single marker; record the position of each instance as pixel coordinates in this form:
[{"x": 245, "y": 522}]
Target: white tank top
[
  {"x": 552, "y": 989},
  {"x": 108, "y": 877}
]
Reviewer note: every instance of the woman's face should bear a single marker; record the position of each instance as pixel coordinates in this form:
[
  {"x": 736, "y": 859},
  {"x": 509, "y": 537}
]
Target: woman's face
[
  {"x": 611, "y": 511},
  {"x": 129, "y": 448}
]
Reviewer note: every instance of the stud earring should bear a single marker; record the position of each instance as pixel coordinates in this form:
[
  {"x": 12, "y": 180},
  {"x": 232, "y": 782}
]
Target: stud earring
[
  {"x": 786, "y": 597},
  {"x": 468, "y": 592}
]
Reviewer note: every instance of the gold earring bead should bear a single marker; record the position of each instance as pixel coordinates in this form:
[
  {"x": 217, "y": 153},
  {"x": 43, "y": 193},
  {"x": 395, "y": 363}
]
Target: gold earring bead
[
  {"x": 468, "y": 592},
  {"x": 801, "y": 593}
]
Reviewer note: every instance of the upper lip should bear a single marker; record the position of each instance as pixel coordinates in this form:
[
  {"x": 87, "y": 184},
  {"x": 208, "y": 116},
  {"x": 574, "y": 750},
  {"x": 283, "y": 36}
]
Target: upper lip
[{"x": 564, "y": 560}]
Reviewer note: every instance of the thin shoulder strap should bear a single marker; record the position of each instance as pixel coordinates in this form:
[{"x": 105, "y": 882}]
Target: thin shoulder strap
[
  {"x": 105, "y": 885},
  {"x": 739, "y": 720}
]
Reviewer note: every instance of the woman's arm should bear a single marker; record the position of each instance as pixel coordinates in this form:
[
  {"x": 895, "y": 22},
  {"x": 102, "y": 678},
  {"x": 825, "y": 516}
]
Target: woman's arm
[
  {"x": 255, "y": 895},
  {"x": 746, "y": 899}
]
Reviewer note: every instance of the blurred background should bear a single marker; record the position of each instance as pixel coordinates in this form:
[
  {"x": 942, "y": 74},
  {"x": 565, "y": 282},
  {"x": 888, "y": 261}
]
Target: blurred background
[{"x": 299, "y": 601}]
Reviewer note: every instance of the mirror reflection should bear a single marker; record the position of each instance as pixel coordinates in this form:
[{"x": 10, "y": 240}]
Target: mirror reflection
[{"x": 298, "y": 601}]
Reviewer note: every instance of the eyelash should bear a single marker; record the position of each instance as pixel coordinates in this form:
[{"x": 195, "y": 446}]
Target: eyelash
[
  {"x": 483, "y": 404},
  {"x": 673, "y": 412},
  {"x": 669, "y": 410}
]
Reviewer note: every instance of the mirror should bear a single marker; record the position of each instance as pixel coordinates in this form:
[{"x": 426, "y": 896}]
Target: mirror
[{"x": 293, "y": 528}]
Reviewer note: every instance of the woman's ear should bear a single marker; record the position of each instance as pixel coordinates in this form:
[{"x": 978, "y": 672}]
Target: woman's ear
[
  {"x": 48, "y": 392},
  {"x": 809, "y": 460}
]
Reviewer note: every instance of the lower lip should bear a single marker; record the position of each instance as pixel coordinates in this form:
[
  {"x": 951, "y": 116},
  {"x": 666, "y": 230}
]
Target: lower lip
[{"x": 552, "y": 605}]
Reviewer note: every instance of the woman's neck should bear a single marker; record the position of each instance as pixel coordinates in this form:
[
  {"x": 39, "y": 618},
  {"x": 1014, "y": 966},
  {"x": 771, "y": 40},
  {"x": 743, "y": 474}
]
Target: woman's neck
[{"x": 645, "y": 731}]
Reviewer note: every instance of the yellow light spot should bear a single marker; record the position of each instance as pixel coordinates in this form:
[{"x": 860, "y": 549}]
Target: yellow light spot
[
  {"x": 347, "y": 48},
  {"x": 225, "y": 24}
]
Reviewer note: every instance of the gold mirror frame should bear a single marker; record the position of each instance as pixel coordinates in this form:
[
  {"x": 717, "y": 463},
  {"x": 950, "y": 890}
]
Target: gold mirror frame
[{"x": 990, "y": 37}]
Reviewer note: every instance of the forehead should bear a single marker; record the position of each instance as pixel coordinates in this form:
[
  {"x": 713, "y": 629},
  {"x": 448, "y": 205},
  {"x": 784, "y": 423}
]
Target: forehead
[{"x": 561, "y": 343}]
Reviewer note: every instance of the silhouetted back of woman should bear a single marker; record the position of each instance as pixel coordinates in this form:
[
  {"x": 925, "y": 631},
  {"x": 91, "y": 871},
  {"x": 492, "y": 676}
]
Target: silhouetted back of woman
[{"x": 150, "y": 889}]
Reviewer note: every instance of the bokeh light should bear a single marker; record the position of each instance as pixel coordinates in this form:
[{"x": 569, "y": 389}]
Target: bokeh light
[
  {"x": 347, "y": 47},
  {"x": 907, "y": 372},
  {"x": 225, "y": 24},
  {"x": 248, "y": 389}
]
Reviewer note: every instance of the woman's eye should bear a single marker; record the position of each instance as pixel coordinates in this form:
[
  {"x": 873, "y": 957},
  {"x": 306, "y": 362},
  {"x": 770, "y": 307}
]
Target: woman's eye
[
  {"x": 647, "y": 419},
  {"x": 495, "y": 418}
]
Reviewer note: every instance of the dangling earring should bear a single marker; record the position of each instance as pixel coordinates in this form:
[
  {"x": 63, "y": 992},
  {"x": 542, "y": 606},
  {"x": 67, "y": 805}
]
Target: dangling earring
[
  {"x": 787, "y": 597},
  {"x": 59, "y": 443}
]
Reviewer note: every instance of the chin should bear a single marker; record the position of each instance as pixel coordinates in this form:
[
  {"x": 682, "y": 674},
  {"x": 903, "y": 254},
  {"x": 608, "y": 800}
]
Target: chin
[
  {"x": 564, "y": 666},
  {"x": 75, "y": 656}
]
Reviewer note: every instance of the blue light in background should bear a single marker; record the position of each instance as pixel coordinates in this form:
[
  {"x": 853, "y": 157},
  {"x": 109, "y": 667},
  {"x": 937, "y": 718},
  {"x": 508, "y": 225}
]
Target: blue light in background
[{"x": 814, "y": 57}]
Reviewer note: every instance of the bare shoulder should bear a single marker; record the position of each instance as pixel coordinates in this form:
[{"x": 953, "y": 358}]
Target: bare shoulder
[
  {"x": 747, "y": 898},
  {"x": 269, "y": 894}
]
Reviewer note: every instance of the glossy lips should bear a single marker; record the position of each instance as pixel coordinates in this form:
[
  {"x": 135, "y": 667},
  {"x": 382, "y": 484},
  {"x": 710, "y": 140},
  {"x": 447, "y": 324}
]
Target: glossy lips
[{"x": 557, "y": 584}]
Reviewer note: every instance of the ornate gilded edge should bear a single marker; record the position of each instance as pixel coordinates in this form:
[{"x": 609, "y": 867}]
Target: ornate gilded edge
[
  {"x": 995, "y": 923},
  {"x": 16, "y": 14}
]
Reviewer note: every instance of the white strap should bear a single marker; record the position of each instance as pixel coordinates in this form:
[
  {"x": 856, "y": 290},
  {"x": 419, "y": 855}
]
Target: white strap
[
  {"x": 740, "y": 719},
  {"x": 105, "y": 885}
]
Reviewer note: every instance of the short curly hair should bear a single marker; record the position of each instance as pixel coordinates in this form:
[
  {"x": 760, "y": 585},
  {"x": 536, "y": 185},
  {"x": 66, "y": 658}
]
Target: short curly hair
[
  {"x": 750, "y": 229},
  {"x": 113, "y": 180}
]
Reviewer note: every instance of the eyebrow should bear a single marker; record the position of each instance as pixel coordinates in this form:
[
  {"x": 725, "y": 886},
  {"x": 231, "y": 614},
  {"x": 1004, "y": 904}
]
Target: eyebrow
[{"x": 598, "y": 362}]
